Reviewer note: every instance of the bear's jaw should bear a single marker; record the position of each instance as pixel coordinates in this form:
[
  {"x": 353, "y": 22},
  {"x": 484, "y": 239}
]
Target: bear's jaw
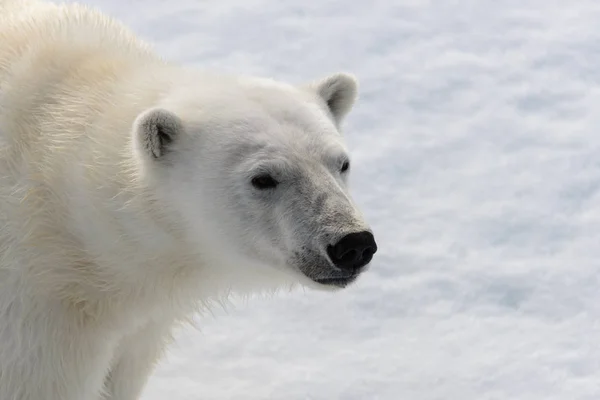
[{"x": 339, "y": 282}]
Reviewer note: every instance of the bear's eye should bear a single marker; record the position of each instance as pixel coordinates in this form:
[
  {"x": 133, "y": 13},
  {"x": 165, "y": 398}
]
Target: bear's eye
[
  {"x": 345, "y": 166},
  {"x": 263, "y": 182}
]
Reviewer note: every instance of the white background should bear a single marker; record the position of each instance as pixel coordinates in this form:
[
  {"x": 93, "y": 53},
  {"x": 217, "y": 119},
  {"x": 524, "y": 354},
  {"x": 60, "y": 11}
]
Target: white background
[{"x": 477, "y": 160}]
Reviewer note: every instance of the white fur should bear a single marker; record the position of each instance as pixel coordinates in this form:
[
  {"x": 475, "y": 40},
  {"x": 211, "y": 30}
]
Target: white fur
[{"x": 104, "y": 247}]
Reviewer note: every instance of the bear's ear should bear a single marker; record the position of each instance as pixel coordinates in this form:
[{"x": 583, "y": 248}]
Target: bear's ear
[
  {"x": 339, "y": 92},
  {"x": 156, "y": 130}
]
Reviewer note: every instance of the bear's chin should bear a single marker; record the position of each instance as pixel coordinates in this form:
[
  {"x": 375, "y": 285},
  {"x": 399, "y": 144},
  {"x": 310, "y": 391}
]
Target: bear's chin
[
  {"x": 336, "y": 282},
  {"x": 329, "y": 284}
]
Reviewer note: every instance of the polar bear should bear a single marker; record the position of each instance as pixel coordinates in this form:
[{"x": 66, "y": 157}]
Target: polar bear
[{"x": 135, "y": 191}]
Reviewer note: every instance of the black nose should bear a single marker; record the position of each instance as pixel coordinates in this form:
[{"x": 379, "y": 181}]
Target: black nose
[{"x": 353, "y": 251}]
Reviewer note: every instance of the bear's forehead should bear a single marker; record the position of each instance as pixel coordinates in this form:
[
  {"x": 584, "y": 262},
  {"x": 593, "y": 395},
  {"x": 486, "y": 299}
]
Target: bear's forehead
[
  {"x": 277, "y": 141},
  {"x": 287, "y": 117},
  {"x": 267, "y": 120},
  {"x": 281, "y": 143},
  {"x": 282, "y": 109}
]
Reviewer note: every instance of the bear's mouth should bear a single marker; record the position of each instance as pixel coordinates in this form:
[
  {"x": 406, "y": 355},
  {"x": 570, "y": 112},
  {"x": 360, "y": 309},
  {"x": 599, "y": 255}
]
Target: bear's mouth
[{"x": 320, "y": 271}]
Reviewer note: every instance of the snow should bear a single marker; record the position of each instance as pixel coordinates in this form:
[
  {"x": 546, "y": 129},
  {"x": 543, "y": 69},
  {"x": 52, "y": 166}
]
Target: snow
[{"x": 476, "y": 161}]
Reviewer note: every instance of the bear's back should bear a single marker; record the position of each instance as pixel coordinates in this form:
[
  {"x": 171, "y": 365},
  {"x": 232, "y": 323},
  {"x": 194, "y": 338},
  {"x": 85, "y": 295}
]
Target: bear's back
[
  {"x": 29, "y": 25},
  {"x": 58, "y": 68}
]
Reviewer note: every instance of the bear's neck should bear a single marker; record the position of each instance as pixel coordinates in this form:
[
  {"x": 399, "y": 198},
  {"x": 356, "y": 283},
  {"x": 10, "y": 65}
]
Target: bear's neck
[{"x": 101, "y": 208}]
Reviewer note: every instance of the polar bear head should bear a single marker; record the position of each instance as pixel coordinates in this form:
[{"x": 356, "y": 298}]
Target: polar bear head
[{"x": 256, "y": 173}]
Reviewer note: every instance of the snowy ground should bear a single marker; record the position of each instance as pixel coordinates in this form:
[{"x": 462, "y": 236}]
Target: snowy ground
[{"x": 477, "y": 160}]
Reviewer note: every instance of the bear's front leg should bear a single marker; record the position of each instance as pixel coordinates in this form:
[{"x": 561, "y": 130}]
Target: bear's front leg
[
  {"x": 49, "y": 353},
  {"x": 135, "y": 359}
]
